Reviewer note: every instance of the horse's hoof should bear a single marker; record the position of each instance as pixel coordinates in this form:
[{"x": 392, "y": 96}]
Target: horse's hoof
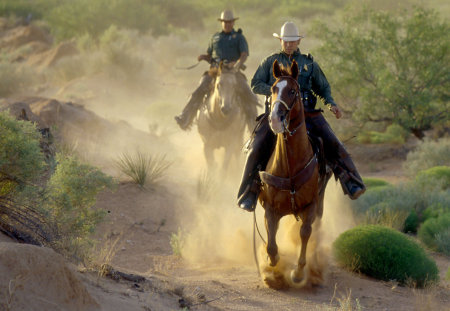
[{"x": 295, "y": 278}]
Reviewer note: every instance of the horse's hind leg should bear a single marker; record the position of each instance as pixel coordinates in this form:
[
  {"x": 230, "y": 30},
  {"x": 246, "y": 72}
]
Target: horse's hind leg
[
  {"x": 307, "y": 216},
  {"x": 272, "y": 221}
]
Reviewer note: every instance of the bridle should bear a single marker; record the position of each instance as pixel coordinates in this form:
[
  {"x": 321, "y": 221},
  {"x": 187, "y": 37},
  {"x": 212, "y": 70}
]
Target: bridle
[{"x": 288, "y": 109}]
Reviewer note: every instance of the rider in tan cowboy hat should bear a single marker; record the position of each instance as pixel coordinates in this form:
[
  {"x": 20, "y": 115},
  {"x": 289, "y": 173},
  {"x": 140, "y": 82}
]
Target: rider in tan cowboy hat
[
  {"x": 230, "y": 47},
  {"x": 313, "y": 86}
]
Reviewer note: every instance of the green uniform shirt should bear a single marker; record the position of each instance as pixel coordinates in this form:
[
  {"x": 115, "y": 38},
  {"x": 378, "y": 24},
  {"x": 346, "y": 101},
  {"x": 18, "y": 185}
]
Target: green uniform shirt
[
  {"x": 227, "y": 46},
  {"x": 311, "y": 77}
]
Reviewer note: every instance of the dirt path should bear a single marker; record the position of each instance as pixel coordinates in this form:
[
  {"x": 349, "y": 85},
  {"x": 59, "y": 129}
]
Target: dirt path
[{"x": 142, "y": 223}]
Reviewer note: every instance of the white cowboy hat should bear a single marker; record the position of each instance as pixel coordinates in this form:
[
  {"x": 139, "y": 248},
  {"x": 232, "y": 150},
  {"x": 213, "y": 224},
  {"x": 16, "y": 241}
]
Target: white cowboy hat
[
  {"x": 227, "y": 16},
  {"x": 289, "y": 32}
]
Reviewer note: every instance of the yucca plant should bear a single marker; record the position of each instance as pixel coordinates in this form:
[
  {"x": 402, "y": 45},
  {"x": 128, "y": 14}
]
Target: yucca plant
[{"x": 143, "y": 168}]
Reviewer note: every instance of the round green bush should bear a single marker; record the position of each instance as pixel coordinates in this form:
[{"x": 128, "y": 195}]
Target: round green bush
[
  {"x": 384, "y": 254},
  {"x": 431, "y": 228}
]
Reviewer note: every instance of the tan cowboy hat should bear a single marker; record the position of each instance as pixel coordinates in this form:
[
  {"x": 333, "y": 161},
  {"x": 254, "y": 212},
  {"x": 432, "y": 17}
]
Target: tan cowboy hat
[
  {"x": 227, "y": 16},
  {"x": 289, "y": 32}
]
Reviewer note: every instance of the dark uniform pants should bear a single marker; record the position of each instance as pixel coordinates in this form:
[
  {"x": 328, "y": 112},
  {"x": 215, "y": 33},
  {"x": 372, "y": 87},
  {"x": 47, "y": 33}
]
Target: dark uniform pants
[{"x": 196, "y": 99}]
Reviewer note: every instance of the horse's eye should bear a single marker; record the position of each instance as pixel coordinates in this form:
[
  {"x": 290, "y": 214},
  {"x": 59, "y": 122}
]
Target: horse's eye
[{"x": 292, "y": 92}]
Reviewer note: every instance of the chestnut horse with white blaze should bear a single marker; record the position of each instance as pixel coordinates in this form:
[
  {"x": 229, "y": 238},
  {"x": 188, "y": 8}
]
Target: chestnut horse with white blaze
[{"x": 291, "y": 184}]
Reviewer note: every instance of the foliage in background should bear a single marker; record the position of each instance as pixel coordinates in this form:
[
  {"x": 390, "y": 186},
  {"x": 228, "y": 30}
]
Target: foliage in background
[
  {"x": 142, "y": 168},
  {"x": 406, "y": 206},
  {"x": 385, "y": 254},
  {"x": 375, "y": 182},
  {"x": 428, "y": 154},
  {"x": 434, "y": 233},
  {"x": 394, "y": 134},
  {"x": 391, "y": 68},
  {"x": 74, "y": 18}
]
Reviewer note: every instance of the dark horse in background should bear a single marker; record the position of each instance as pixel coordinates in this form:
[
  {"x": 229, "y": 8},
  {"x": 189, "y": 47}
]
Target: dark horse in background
[
  {"x": 293, "y": 183},
  {"x": 221, "y": 122}
]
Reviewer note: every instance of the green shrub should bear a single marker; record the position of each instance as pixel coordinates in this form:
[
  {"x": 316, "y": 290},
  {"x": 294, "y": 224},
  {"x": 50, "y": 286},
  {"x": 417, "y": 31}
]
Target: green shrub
[
  {"x": 447, "y": 275},
  {"x": 427, "y": 155},
  {"x": 375, "y": 182},
  {"x": 437, "y": 177},
  {"x": 386, "y": 215},
  {"x": 384, "y": 254},
  {"x": 71, "y": 195},
  {"x": 443, "y": 242},
  {"x": 431, "y": 228},
  {"x": 411, "y": 222},
  {"x": 384, "y": 203},
  {"x": 177, "y": 242},
  {"x": 21, "y": 159}
]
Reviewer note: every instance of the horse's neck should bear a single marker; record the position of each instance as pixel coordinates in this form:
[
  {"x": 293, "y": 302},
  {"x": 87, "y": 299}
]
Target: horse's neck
[{"x": 293, "y": 153}]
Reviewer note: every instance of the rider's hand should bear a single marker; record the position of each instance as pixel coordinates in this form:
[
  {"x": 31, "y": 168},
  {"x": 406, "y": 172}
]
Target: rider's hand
[{"x": 337, "y": 112}]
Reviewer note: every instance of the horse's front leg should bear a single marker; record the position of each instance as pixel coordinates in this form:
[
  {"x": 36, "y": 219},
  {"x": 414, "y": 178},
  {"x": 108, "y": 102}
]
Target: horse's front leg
[
  {"x": 272, "y": 221},
  {"x": 307, "y": 216}
]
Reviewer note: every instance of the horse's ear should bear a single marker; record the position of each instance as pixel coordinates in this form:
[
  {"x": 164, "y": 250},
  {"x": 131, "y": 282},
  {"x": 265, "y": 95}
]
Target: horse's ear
[
  {"x": 276, "y": 69},
  {"x": 294, "y": 70}
]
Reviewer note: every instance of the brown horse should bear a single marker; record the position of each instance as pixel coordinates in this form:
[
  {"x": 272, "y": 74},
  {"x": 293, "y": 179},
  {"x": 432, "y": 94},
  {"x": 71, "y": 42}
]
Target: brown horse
[
  {"x": 291, "y": 182},
  {"x": 221, "y": 123}
]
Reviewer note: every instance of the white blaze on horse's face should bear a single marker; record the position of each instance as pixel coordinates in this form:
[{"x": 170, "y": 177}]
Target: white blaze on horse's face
[{"x": 276, "y": 119}]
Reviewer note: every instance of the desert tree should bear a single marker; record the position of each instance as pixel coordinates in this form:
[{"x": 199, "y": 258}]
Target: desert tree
[{"x": 389, "y": 68}]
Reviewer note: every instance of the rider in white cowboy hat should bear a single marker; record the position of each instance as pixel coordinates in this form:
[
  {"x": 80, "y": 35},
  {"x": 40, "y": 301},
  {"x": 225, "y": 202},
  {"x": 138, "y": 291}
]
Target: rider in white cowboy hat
[
  {"x": 313, "y": 85},
  {"x": 230, "y": 47}
]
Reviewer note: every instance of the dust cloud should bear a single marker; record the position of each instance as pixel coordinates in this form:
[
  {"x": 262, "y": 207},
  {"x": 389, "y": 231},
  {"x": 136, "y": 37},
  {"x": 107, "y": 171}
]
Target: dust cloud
[{"x": 145, "y": 98}]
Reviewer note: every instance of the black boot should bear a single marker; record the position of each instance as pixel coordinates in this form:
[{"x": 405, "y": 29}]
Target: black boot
[
  {"x": 186, "y": 118},
  {"x": 249, "y": 199},
  {"x": 351, "y": 186},
  {"x": 259, "y": 150}
]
